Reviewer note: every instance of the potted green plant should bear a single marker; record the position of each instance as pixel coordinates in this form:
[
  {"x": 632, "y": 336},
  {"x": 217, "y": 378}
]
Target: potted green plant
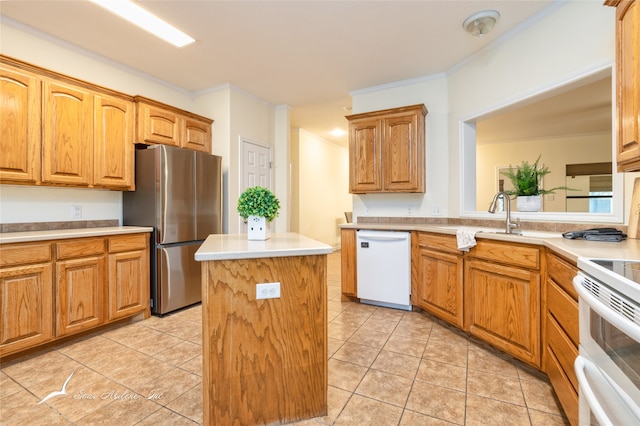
[
  {"x": 527, "y": 185},
  {"x": 257, "y": 206}
]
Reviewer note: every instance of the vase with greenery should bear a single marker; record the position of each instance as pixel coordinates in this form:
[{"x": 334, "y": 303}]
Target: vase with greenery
[
  {"x": 527, "y": 180},
  {"x": 257, "y": 206}
]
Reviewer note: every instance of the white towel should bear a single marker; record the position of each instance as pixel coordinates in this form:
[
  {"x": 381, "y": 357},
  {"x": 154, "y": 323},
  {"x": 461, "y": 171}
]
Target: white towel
[{"x": 466, "y": 239}]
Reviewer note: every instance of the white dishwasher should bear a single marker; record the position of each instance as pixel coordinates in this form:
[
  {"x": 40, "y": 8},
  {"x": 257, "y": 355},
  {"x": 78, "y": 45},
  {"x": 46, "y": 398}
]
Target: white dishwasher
[{"x": 384, "y": 268}]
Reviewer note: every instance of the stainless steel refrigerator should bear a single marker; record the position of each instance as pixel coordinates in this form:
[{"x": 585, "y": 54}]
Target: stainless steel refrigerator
[{"x": 178, "y": 193}]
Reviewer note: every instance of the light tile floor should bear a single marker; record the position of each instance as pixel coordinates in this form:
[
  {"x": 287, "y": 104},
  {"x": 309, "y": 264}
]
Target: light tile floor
[{"x": 386, "y": 367}]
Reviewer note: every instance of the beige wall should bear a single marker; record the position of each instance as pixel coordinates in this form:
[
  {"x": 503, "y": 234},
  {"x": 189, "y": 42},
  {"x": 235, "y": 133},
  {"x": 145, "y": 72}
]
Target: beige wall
[
  {"x": 555, "y": 153},
  {"x": 322, "y": 172}
]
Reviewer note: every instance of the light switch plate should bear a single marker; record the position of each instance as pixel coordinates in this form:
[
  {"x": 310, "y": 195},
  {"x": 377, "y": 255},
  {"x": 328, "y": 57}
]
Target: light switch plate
[{"x": 268, "y": 291}]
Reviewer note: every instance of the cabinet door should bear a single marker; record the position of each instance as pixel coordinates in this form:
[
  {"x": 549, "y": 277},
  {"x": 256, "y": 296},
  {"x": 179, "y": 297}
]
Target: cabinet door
[
  {"x": 348, "y": 262},
  {"x": 128, "y": 283},
  {"x": 157, "y": 125},
  {"x": 440, "y": 285},
  {"x": 80, "y": 287},
  {"x": 403, "y": 156},
  {"x": 502, "y": 307},
  {"x": 27, "y": 307},
  {"x": 365, "y": 156},
  {"x": 113, "y": 158},
  {"x": 19, "y": 126},
  {"x": 67, "y": 135},
  {"x": 628, "y": 84},
  {"x": 197, "y": 135}
]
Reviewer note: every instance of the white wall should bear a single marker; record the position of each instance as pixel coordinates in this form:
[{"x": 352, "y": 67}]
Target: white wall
[
  {"x": 235, "y": 114},
  {"x": 432, "y": 92},
  {"x": 322, "y": 176},
  {"x": 566, "y": 41}
]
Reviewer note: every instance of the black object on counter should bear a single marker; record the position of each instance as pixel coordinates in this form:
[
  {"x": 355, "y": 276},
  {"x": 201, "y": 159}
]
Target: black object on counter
[{"x": 596, "y": 234}]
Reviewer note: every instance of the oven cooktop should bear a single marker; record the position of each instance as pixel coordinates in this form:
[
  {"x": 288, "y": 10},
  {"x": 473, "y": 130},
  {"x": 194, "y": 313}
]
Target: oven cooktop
[
  {"x": 618, "y": 274},
  {"x": 629, "y": 269}
]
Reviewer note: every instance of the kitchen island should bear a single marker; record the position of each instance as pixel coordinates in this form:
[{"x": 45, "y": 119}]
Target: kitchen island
[{"x": 264, "y": 350}]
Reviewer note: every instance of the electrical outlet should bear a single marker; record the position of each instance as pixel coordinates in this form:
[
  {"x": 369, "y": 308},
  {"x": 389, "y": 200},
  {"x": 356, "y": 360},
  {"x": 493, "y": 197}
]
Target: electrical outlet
[
  {"x": 268, "y": 291},
  {"x": 435, "y": 211},
  {"x": 76, "y": 212},
  {"x": 409, "y": 211}
]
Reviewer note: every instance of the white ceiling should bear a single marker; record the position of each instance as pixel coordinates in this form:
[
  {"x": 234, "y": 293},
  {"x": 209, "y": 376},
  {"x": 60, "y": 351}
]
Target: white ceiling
[{"x": 305, "y": 54}]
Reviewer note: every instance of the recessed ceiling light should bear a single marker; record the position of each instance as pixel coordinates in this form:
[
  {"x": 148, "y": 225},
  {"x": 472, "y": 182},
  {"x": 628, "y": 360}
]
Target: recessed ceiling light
[
  {"x": 338, "y": 132},
  {"x": 147, "y": 21}
]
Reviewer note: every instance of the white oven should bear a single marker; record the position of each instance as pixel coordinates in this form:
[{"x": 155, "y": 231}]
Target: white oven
[{"x": 608, "y": 367}]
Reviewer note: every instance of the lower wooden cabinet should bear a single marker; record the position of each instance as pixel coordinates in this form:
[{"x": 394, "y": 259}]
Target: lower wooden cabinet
[
  {"x": 128, "y": 275},
  {"x": 79, "y": 294},
  {"x": 560, "y": 333},
  {"x": 26, "y": 296},
  {"x": 440, "y": 268},
  {"x": 348, "y": 262},
  {"x": 53, "y": 289}
]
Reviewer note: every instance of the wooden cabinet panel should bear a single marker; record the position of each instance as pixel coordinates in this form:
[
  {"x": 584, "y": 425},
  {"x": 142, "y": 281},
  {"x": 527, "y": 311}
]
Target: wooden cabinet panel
[
  {"x": 386, "y": 150},
  {"x": 564, "y": 350},
  {"x": 113, "y": 159},
  {"x": 502, "y": 307},
  {"x": 67, "y": 126},
  {"x": 20, "y": 115},
  {"x": 128, "y": 283},
  {"x": 562, "y": 274},
  {"x": 566, "y": 394},
  {"x": 348, "y": 262},
  {"x": 365, "y": 151},
  {"x": 509, "y": 254},
  {"x": 197, "y": 135},
  {"x": 26, "y": 303},
  {"x": 628, "y": 83},
  {"x": 25, "y": 253},
  {"x": 80, "y": 247},
  {"x": 80, "y": 295},
  {"x": 129, "y": 242},
  {"x": 157, "y": 125},
  {"x": 403, "y": 145},
  {"x": 564, "y": 309},
  {"x": 440, "y": 288},
  {"x": 439, "y": 242}
]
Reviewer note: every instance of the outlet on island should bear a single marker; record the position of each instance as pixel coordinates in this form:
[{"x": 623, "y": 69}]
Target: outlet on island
[{"x": 268, "y": 291}]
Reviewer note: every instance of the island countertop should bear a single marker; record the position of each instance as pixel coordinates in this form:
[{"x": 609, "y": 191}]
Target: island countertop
[{"x": 237, "y": 246}]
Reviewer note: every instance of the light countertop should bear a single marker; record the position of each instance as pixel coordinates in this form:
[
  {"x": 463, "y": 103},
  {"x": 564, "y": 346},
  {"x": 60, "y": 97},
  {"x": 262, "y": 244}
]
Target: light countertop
[
  {"x": 58, "y": 234},
  {"x": 237, "y": 246},
  {"x": 571, "y": 249}
]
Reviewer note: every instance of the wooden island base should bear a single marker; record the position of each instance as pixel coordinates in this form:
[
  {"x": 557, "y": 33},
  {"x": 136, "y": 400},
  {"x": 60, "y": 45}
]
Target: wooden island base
[{"x": 264, "y": 361}]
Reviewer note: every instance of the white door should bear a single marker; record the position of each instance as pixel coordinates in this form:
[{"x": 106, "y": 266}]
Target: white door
[{"x": 256, "y": 169}]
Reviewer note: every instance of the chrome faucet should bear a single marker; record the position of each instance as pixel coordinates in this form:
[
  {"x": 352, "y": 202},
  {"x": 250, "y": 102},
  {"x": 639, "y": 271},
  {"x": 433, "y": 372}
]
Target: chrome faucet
[{"x": 508, "y": 228}]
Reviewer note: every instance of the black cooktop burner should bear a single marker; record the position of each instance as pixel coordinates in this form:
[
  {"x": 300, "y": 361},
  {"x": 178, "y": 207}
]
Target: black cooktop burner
[{"x": 629, "y": 269}]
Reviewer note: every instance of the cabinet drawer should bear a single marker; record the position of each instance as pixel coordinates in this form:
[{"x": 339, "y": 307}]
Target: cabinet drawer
[
  {"x": 511, "y": 254},
  {"x": 128, "y": 242},
  {"x": 439, "y": 242},
  {"x": 562, "y": 273},
  {"x": 21, "y": 254},
  {"x": 82, "y": 247},
  {"x": 565, "y": 392},
  {"x": 563, "y": 349},
  {"x": 564, "y": 309}
]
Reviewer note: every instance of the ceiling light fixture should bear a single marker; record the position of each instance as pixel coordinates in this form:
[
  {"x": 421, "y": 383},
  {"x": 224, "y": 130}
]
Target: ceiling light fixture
[
  {"x": 338, "y": 132},
  {"x": 147, "y": 21},
  {"x": 481, "y": 23}
]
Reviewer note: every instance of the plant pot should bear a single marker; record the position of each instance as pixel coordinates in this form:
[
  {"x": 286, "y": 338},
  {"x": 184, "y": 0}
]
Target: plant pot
[
  {"x": 258, "y": 228},
  {"x": 531, "y": 203}
]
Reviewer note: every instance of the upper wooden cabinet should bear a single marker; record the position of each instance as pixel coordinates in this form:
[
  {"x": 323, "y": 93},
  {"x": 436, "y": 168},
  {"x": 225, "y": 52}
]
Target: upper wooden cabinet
[
  {"x": 20, "y": 108},
  {"x": 113, "y": 148},
  {"x": 386, "y": 150},
  {"x": 67, "y": 134},
  {"x": 628, "y": 83},
  {"x": 60, "y": 131},
  {"x": 164, "y": 124}
]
